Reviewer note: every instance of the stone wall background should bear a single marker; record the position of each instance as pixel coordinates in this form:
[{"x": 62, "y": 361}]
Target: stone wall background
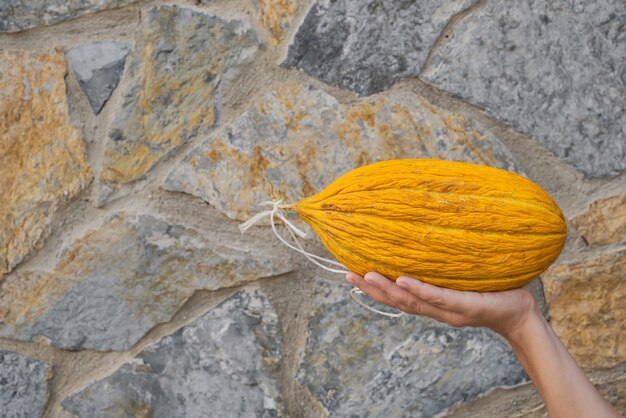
[{"x": 136, "y": 136}]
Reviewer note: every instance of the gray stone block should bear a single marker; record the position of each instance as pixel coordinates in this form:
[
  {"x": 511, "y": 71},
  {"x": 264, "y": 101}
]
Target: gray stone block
[
  {"x": 17, "y": 15},
  {"x": 366, "y": 45},
  {"x": 361, "y": 364},
  {"x": 555, "y": 70},
  {"x": 23, "y": 385},
  {"x": 117, "y": 282},
  {"x": 98, "y": 66},
  {"x": 225, "y": 364}
]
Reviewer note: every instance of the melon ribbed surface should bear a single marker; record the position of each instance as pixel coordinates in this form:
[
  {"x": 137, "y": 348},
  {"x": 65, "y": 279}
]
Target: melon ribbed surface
[{"x": 456, "y": 225}]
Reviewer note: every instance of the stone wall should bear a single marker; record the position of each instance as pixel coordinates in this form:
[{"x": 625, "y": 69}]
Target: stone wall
[{"x": 137, "y": 135}]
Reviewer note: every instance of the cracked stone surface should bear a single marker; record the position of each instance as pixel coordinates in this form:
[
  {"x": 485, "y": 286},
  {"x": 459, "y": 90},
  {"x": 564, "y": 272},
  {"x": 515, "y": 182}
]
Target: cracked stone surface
[
  {"x": 554, "y": 70},
  {"x": 366, "y": 45},
  {"x": 43, "y": 159},
  {"x": 23, "y": 385},
  {"x": 117, "y": 282},
  {"x": 587, "y": 310},
  {"x": 358, "y": 363},
  {"x": 301, "y": 139},
  {"x": 181, "y": 56},
  {"x": 17, "y": 15},
  {"x": 98, "y": 66},
  {"x": 224, "y": 364}
]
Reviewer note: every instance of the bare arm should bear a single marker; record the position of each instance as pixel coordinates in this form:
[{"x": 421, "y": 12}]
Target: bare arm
[{"x": 513, "y": 314}]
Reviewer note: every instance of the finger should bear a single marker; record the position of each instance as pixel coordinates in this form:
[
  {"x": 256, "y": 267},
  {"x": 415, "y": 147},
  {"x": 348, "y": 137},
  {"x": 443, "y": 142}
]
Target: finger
[
  {"x": 399, "y": 296},
  {"x": 371, "y": 290},
  {"x": 352, "y": 277},
  {"x": 454, "y": 300},
  {"x": 404, "y": 300}
]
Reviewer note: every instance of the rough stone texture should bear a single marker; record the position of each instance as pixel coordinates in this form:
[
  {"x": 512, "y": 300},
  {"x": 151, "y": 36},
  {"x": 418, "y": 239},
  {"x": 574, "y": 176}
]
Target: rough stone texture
[
  {"x": 42, "y": 156},
  {"x": 367, "y": 45},
  {"x": 555, "y": 70},
  {"x": 301, "y": 139},
  {"x": 357, "y": 363},
  {"x": 524, "y": 400},
  {"x": 276, "y": 16},
  {"x": 586, "y": 303},
  {"x": 139, "y": 267},
  {"x": 98, "y": 66},
  {"x": 225, "y": 364},
  {"x": 115, "y": 283},
  {"x": 17, "y": 15},
  {"x": 23, "y": 385},
  {"x": 180, "y": 58},
  {"x": 604, "y": 222}
]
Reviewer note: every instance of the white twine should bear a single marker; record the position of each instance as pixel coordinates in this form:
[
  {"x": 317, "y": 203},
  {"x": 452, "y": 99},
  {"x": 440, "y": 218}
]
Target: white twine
[
  {"x": 356, "y": 291},
  {"x": 276, "y": 211}
]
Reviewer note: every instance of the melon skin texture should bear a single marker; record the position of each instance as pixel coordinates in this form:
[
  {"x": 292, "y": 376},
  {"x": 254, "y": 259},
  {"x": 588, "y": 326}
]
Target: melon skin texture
[{"x": 456, "y": 225}]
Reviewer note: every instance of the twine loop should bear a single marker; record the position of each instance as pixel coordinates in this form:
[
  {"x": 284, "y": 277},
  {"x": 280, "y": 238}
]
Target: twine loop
[{"x": 277, "y": 212}]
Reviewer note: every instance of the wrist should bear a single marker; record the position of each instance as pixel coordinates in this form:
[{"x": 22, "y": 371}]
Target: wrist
[{"x": 522, "y": 331}]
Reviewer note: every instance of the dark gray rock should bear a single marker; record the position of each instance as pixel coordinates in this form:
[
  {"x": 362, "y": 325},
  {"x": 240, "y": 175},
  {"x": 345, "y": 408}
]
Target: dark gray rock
[
  {"x": 367, "y": 45},
  {"x": 98, "y": 66},
  {"x": 23, "y": 385},
  {"x": 555, "y": 70},
  {"x": 117, "y": 282},
  {"x": 358, "y": 363},
  {"x": 17, "y": 15},
  {"x": 225, "y": 364}
]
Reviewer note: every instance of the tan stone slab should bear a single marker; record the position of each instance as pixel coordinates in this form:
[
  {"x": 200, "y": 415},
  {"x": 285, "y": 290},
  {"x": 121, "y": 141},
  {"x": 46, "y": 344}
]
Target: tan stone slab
[
  {"x": 43, "y": 160},
  {"x": 587, "y": 304},
  {"x": 604, "y": 222}
]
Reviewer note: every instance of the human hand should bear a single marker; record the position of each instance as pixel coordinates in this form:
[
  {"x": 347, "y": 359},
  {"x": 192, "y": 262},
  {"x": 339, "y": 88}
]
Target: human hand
[{"x": 504, "y": 312}]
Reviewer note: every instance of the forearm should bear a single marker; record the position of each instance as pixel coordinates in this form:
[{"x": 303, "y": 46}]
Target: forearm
[{"x": 563, "y": 386}]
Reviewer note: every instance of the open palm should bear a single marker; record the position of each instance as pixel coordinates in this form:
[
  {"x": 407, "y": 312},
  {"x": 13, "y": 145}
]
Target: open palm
[{"x": 501, "y": 311}]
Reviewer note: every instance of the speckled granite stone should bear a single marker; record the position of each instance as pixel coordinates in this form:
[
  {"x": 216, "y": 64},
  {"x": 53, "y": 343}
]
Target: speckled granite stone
[
  {"x": 555, "y": 70},
  {"x": 23, "y": 385}
]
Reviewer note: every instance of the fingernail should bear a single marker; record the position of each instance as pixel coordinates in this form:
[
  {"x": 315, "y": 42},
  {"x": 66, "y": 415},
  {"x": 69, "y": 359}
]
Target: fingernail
[
  {"x": 405, "y": 279},
  {"x": 369, "y": 277},
  {"x": 401, "y": 283}
]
